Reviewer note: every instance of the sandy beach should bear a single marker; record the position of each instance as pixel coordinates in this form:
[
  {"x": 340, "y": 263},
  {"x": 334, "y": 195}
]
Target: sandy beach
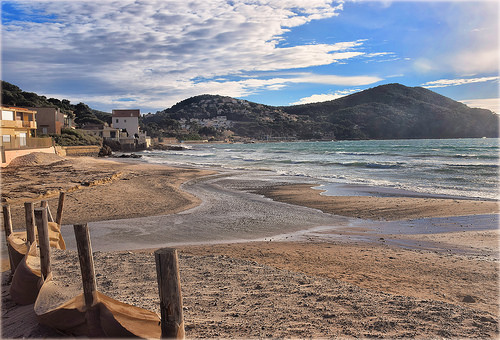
[{"x": 384, "y": 270}]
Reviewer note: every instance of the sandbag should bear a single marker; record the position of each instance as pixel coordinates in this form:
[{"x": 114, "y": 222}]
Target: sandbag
[
  {"x": 27, "y": 280},
  {"x": 107, "y": 317}
]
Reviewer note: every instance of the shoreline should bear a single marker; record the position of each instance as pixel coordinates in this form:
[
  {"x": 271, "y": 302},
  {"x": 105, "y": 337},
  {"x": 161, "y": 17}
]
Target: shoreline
[
  {"x": 84, "y": 178},
  {"x": 377, "y": 207},
  {"x": 221, "y": 281}
]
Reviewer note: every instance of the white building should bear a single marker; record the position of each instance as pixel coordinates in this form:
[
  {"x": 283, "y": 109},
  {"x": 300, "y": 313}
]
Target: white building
[{"x": 126, "y": 120}]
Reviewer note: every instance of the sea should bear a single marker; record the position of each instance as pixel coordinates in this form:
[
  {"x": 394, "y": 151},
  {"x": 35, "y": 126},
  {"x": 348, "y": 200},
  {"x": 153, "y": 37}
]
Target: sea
[{"x": 467, "y": 168}]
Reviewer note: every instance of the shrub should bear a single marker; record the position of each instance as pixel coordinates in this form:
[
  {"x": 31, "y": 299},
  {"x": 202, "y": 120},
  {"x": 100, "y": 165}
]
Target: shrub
[{"x": 70, "y": 137}]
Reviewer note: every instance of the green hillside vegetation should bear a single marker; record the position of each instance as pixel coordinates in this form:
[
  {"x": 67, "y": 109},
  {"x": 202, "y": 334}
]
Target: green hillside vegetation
[
  {"x": 389, "y": 111},
  {"x": 70, "y": 137},
  {"x": 395, "y": 111}
]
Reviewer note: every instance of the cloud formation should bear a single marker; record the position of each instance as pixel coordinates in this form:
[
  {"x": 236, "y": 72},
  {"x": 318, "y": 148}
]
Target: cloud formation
[
  {"x": 156, "y": 51},
  {"x": 456, "y": 82},
  {"x": 492, "y": 104},
  {"x": 316, "y": 98}
]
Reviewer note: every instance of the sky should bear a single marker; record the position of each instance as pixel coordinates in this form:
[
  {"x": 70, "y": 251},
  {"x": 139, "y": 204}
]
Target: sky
[{"x": 151, "y": 54}]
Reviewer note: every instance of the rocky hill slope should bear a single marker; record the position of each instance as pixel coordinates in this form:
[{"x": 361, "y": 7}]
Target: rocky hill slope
[{"x": 391, "y": 111}]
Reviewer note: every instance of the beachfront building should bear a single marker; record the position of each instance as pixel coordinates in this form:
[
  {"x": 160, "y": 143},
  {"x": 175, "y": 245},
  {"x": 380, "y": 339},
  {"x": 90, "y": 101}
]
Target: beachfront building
[
  {"x": 18, "y": 125},
  {"x": 104, "y": 131},
  {"x": 128, "y": 121},
  {"x": 49, "y": 120},
  {"x": 18, "y": 133}
]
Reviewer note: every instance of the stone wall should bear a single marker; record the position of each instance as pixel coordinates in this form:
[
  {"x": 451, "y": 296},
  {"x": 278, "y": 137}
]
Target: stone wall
[{"x": 87, "y": 150}]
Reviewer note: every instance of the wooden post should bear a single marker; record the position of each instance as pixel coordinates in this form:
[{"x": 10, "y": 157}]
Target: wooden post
[
  {"x": 45, "y": 204},
  {"x": 86, "y": 263},
  {"x": 7, "y": 220},
  {"x": 7, "y": 226},
  {"x": 42, "y": 225},
  {"x": 60, "y": 208},
  {"x": 30, "y": 222},
  {"x": 92, "y": 313},
  {"x": 169, "y": 286}
]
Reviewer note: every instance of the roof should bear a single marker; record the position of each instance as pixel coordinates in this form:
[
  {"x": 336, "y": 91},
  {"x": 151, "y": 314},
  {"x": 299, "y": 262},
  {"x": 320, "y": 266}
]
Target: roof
[
  {"x": 127, "y": 113},
  {"x": 17, "y": 109}
]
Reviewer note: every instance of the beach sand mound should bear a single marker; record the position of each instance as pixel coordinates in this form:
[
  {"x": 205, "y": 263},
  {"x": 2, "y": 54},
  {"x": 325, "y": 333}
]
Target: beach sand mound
[{"x": 35, "y": 158}]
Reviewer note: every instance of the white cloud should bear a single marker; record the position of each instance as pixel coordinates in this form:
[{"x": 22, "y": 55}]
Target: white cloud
[
  {"x": 135, "y": 48},
  {"x": 165, "y": 95},
  {"x": 478, "y": 60},
  {"x": 492, "y": 104},
  {"x": 316, "y": 98},
  {"x": 457, "y": 82}
]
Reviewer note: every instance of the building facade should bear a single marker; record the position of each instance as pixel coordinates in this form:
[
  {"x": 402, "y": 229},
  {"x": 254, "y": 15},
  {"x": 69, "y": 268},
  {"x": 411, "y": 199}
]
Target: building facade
[
  {"x": 18, "y": 134},
  {"x": 104, "y": 131},
  {"x": 18, "y": 125},
  {"x": 126, "y": 120},
  {"x": 49, "y": 120}
]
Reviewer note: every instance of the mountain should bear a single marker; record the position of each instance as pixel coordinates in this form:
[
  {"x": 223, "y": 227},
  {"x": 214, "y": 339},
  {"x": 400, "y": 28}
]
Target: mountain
[
  {"x": 391, "y": 111},
  {"x": 395, "y": 111},
  {"x": 247, "y": 119}
]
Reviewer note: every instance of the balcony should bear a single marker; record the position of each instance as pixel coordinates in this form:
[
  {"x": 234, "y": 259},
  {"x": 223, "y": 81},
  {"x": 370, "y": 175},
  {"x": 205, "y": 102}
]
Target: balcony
[
  {"x": 26, "y": 143},
  {"x": 18, "y": 124}
]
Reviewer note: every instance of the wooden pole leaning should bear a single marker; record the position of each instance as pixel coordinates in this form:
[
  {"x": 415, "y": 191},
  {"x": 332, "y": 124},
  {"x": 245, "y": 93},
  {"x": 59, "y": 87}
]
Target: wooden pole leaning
[
  {"x": 7, "y": 225},
  {"x": 45, "y": 204},
  {"x": 30, "y": 222},
  {"x": 60, "y": 208},
  {"x": 42, "y": 225},
  {"x": 169, "y": 287}
]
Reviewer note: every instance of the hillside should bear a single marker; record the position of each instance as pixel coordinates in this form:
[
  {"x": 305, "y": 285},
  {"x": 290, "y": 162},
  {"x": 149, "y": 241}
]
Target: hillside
[
  {"x": 396, "y": 111},
  {"x": 390, "y": 111}
]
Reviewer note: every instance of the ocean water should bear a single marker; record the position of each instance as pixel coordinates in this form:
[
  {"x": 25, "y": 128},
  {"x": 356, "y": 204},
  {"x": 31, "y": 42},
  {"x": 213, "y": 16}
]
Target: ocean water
[{"x": 457, "y": 167}]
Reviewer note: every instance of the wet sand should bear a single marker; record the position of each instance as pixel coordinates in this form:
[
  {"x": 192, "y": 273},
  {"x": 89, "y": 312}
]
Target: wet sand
[
  {"x": 376, "y": 207},
  {"x": 357, "y": 283}
]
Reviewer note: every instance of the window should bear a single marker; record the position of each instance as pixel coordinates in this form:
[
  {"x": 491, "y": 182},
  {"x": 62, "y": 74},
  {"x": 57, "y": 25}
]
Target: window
[
  {"x": 124, "y": 120},
  {"x": 19, "y": 116},
  {"x": 22, "y": 139},
  {"x": 116, "y": 120},
  {"x": 44, "y": 130},
  {"x": 6, "y": 138},
  {"x": 7, "y": 115}
]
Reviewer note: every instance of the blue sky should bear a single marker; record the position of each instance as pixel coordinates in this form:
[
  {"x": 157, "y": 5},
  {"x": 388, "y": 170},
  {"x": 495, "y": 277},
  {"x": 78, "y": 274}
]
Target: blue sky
[{"x": 152, "y": 54}]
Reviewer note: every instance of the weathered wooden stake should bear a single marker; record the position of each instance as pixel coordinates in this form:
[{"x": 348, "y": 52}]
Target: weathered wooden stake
[
  {"x": 30, "y": 222},
  {"x": 60, "y": 208},
  {"x": 7, "y": 219},
  {"x": 7, "y": 225},
  {"x": 45, "y": 204},
  {"x": 169, "y": 286},
  {"x": 42, "y": 225},
  {"x": 84, "y": 247},
  {"x": 86, "y": 263}
]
